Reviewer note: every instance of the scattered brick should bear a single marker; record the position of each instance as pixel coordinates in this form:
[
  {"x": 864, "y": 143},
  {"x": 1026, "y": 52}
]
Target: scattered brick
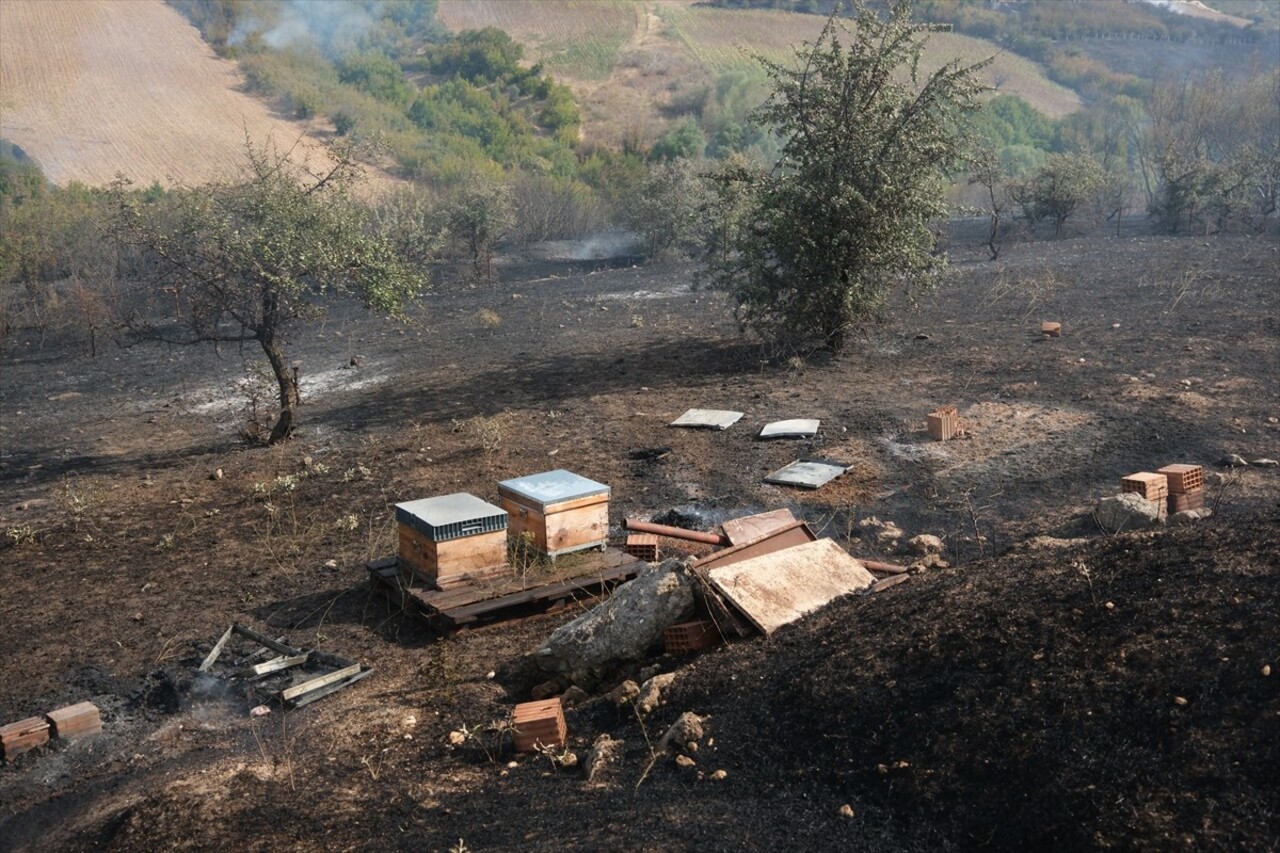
[
  {"x": 943, "y": 423},
  {"x": 75, "y": 721},
  {"x": 540, "y": 723},
  {"x": 1183, "y": 478},
  {"x": 690, "y": 637},
  {"x": 1053, "y": 330},
  {"x": 642, "y": 546},
  {"x": 22, "y": 736},
  {"x": 1180, "y": 502},
  {"x": 1153, "y": 487}
]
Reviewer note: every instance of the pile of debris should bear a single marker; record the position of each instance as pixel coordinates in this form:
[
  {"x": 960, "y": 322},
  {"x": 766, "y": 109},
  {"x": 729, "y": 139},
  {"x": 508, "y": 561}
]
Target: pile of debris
[{"x": 294, "y": 677}]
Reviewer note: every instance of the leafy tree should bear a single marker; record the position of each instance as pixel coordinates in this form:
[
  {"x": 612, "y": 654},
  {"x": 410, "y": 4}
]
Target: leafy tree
[
  {"x": 844, "y": 217},
  {"x": 1062, "y": 186},
  {"x": 248, "y": 260},
  {"x": 666, "y": 209},
  {"x": 681, "y": 142},
  {"x": 480, "y": 213}
]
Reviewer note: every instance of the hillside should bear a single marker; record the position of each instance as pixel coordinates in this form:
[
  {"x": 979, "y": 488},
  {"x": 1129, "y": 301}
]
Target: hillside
[
  {"x": 650, "y": 61},
  {"x": 92, "y": 88}
]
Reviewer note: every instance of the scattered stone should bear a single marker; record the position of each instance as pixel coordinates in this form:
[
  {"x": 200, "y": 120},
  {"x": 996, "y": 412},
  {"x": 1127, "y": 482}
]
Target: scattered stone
[
  {"x": 409, "y": 721},
  {"x": 625, "y": 692},
  {"x": 846, "y": 810},
  {"x": 623, "y": 627},
  {"x": 883, "y": 532},
  {"x": 1180, "y": 701},
  {"x": 567, "y": 761},
  {"x": 574, "y": 696},
  {"x": 691, "y": 746},
  {"x": 651, "y": 692},
  {"x": 930, "y": 561},
  {"x": 602, "y": 754},
  {"x": 926, "y": 544},
  {"x": 1232, "y": 460},
  {"x": 720, "y": 775},
  {"x": 1190, "y": 516},
  {"x": 685, "y": 761},
  {"x": 922, "y": 337},
  {"x": 331, "y": 564},
  {"x": 259, "y": 711},
  {"x": 457, "y": 738},
  {"x": 1266, "y": 670},
  {"x": 1111, "y": 605},
  {"x": 216, "y": 475},
  {"x": 1215, "y": 478},
  {"x": 1265, "y": 463},
  {"x": 686, "y": 728},
  {"x": 547, "y": 689},
  {"x": 512, "y": 765},
  {"x": 1128, "y": 511}
]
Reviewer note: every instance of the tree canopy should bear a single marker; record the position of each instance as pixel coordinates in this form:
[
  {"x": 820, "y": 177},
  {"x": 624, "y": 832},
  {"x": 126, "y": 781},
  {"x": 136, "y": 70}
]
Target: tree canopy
[
  {"x": 246, "y": 260},
  {"x": 844, "y": 217}
]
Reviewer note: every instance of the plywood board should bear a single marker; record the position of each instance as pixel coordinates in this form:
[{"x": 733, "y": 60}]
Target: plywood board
[
  {"x": 739, "y": 530},
  {"x": 776, "y": 589},
  {"x": 707, "y": 419},
  {"x": 795, "y": 428},
  {"x": 788, "y": 536},
  {"x": 807, "y": 474}
]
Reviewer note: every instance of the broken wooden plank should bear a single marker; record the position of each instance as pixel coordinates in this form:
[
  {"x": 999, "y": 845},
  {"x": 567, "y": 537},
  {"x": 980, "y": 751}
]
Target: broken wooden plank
[
  {"x": 316, "y": 683},
  {"x": 215, "y": 651},
  {"x": 778, "y": 588},
  {"x": 322, "y": 692},
  {"x": 278, "y": 664},
  {"x": 789, "y": 535},
  {"x": 747, "y": 528}
]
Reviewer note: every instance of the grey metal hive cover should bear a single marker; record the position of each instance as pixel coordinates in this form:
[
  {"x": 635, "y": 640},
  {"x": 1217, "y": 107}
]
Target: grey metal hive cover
[
  {"x": 551, "y": 487},
  {"x": 451, "y": 516},
  {"x": 795, "y": 428},
  {"x": 806, "y": 473},
  {"x": 707, "y": 419}
]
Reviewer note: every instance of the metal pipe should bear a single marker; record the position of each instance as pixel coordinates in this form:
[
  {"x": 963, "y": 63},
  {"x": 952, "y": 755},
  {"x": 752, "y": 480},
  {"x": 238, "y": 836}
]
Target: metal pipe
[
  {"x": 883, "y": 568},
  {"x": 675, "y": 532}
]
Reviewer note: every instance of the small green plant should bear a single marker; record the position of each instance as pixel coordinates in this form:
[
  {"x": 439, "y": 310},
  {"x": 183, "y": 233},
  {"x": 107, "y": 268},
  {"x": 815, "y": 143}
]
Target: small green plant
[
  {"x": 166, "y": 542},
  {"x": 23, "y": 534},
  {"x": 488, "y": 318},
  {"x": 349, "y": 523},
  {"x": 488, "y": 432}
]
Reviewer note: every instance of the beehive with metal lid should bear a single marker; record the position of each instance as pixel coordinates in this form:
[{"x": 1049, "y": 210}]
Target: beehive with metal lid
[
  {"x": 450, "y": 540},
  {"x": 557, "y": 512}
]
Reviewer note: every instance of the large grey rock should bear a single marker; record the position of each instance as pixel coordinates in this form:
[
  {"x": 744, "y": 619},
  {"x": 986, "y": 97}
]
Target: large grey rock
[
  {"x": 1127, "y": 512},
  {"x": 1190, "y": 516},
  {"x": 623, "y": 627}
]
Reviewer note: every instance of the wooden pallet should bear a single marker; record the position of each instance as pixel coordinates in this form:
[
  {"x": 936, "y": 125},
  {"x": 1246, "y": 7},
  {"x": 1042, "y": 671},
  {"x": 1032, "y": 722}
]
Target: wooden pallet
[{"x": 470, "y": 606}]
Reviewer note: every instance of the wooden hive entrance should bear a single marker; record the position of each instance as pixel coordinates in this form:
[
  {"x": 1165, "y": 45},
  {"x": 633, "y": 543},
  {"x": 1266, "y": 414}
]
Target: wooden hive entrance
[
  {"x": 452, "y": 539},
  {"x": 560, "y": 512}
]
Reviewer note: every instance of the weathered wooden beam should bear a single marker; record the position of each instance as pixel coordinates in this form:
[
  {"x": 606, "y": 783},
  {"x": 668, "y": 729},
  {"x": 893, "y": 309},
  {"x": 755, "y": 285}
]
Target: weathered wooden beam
[
  {"x": 316, "y": 683},
  {"x": 277, "y": 664},
  {"x": 321, "y": 692},
  {"x": 264, "y": 640},
  {"x": 215, "y": 651}
]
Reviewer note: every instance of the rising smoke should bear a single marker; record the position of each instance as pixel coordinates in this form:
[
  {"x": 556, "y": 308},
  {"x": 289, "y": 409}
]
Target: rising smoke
[{"x": 334, "y": 26}]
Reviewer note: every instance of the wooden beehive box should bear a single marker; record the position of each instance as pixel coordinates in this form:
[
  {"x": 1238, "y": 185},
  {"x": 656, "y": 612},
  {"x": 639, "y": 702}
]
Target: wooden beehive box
[
  {"x": 75, "y": 721},
  {"x": 452, "y": 539},
  {"x": 17, "y": 738},
  {"x": 1183, "y": 478},
  {"x": 540, "y": 723},
  {"x": 943, "y": 423},
  {"x": 561, "y": 511}
]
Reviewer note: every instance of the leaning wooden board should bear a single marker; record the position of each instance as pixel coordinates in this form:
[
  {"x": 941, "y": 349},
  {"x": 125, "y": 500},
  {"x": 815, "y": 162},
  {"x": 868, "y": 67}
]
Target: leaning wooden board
[{"x": 776, "y": 589}]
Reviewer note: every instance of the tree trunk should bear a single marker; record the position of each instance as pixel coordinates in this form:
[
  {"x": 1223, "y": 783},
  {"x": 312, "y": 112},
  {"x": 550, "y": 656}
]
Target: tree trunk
[{"x": 288, "y": 389}]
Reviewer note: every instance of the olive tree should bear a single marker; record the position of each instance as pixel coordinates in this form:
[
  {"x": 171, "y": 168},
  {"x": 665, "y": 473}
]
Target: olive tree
[
  {"x": 249, "y": 259},
  {"x": 844, "y": 217}
]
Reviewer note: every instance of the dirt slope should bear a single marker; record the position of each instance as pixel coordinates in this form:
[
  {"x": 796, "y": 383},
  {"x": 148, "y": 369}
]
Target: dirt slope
[{"x": 90, "y": 88}]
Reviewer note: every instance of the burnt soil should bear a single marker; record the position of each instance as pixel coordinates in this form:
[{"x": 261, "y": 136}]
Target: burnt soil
[{"x": 1055, "y": 688}]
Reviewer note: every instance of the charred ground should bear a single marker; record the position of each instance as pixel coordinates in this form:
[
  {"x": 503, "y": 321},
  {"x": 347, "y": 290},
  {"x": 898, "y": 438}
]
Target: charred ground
[{"x": 1000, "y": 703}]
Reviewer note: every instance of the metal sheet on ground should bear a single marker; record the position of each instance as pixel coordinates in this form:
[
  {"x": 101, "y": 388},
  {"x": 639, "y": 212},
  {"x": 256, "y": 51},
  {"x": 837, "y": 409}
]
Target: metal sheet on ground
[
  {"x": 739, "y": 530},
  {"x": 806, "y": 473},
  {"x": 776, "y": 589},
  {"x": 707, "y": 419},
  {"x": 795, "y": 428}
]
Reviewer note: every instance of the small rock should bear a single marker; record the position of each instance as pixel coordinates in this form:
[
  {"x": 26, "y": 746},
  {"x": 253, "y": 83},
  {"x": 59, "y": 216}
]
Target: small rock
[
  {"x": 922, "y": 337},
  {"x": 1232, "y": 460},
  {"x": 1111, "y": 605},
  {"x": 457, "y": 738},
  {"x": 1265, "y": 463},
  {"x": 547, "y": 689},
  {"x": 846, "y": 810},
  {"x": 1180, "y": 701},
  {"x": 925, "y": 544},
  {"x": 1115, "y": 325},
  {"x": 567, "y": 761},
  {"x": 331, "y": 564},
  {"x": 685, "y": 761},
  {"x": 216, "y": 475},
  {"x": 575, "y": 695},
  {"x": 624, "y": 692},
  {"x": 691, "y": 746},
  {"x": 720, "y": 775},
  {"x": 650, "y": 696},
  {"x": 1190, "y": 516},
  {"x": 1266, "y": 670},
  {"x": 512, "y": 765},
  {"x": 137, "y": 617},
  {"x": 259, "y": 711},
  {"x": 602, "y": 754},
  {"x": 409, "y": 721},
  {"x": 686, "y": 728},
  {"x": 307, "y": 461}
]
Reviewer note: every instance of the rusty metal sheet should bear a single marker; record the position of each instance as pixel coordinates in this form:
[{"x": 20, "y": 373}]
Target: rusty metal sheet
[
  {"x": 707, "y": 419},
  {"x": 795, "y": 533},
  {"x": 739, "y": 530},
  {"x": 776, "y": 589}
]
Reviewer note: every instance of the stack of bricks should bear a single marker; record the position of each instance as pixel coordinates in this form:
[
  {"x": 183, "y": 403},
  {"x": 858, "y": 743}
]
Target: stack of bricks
[
  {"x": 540, "y": 724},
  {"x": 642, "y": 546},
  {"x": 1186, "y": 487},
  {"x": 943, "y": 423},
  {"x": 1152, "y": 487},
  {"x": 67, "y": 723},
  {"x": 690, "y": 637}
]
